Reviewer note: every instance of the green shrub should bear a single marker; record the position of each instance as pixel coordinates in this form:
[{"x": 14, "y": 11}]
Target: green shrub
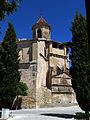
[{"x": 81, "y": 115}]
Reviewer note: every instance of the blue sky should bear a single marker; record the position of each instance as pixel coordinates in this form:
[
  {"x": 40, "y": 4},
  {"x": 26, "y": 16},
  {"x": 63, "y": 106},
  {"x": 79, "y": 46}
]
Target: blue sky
[{"x": 58, "y": 13}]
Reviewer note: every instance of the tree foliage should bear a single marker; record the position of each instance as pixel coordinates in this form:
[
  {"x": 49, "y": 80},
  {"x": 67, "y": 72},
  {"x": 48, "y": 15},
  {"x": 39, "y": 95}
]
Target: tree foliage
[
  {"x": 87, "y": 3},
  {"x": 9, "y": 72},
  {"x": 80, "y": 65},
  {"x": 22, "y": 89},
  {"x": 7, "y": 7}
]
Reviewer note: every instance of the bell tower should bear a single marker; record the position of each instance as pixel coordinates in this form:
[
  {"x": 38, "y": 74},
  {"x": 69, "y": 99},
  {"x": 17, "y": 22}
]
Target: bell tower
[{"x": 41, "y": 29}]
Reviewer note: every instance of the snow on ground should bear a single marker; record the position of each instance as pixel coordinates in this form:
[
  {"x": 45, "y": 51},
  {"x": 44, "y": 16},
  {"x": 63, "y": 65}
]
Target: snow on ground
[{"x": 55, "y": 113}]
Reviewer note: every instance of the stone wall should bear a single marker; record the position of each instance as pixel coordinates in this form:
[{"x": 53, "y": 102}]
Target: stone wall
[
  {"x": 36, "y": 65},
  {"x": 28, "y": 68},
  {"x": 25, "y": 51},
  {"x": 62, "y": 98},
  {"x": 56, "y": 61},
  {"x": 46, "y": 33},
  {"x": 34, "y": 50},
  {"x": 41, "y": 73},
  {"x": 47, "y": 96},
  {"x": 57, "y": 57},
  {"x": 62, "y": 91},
  {"x": 28, "y": 76},
  {"x": 28, "y": 102}
]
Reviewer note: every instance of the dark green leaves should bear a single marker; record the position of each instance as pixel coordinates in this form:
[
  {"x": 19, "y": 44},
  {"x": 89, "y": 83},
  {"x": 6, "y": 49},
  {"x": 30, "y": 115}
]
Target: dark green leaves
[
  {"x": 80, "y": 65},
  {"x": 9, "y": 68}
]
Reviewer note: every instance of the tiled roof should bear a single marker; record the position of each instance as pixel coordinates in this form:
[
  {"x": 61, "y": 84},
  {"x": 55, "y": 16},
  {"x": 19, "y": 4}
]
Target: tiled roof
[
  {"x": 41, "y": 20},
  {"x": 41, "y": 23}
]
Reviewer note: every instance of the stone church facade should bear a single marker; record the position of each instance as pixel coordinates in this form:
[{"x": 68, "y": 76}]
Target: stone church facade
[{"x": 43, "y": 66}]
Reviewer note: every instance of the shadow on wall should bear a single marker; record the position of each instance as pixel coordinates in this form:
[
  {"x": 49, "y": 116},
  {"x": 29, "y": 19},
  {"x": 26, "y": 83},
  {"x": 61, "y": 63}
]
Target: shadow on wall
[
  {"x": 48, "y": 78},
  {"x": 17, "y": 103},
  {"x": 59, "y": 115}
]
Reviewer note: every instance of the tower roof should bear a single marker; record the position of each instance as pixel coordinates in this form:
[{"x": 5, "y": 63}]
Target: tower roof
[
  {"x": 41, "y": 23},
  {"x": 41, "y": 20}
]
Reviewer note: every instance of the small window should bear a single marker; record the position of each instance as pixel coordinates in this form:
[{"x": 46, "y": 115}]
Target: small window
[{"x": 39, "y": 33}]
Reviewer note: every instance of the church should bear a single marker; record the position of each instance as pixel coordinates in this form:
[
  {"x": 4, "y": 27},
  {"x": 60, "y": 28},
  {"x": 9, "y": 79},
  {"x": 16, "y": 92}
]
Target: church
[{"x": 44, "y": 68}]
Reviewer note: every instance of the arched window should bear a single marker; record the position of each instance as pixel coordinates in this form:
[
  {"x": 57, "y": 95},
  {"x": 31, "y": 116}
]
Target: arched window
[{"x": 39, "y": 33}]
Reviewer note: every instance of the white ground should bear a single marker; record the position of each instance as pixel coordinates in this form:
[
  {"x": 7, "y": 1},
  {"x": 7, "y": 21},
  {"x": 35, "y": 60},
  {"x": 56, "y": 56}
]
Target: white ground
[{"x": 55, "y": 113}]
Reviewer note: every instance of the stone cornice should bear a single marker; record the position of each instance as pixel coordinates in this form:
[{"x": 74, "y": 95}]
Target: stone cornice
[
  {"x": 56, "y": 55},
  {"x": 58, "y": 92},
  {"x": 62, "y": 85}
]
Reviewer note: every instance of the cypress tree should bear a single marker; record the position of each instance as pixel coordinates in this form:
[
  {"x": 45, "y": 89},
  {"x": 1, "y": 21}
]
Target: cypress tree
[
  {"x": 9, "y": 73},
  {"x": 80, "y": 66},
  {"x": 87, "y": 4}
]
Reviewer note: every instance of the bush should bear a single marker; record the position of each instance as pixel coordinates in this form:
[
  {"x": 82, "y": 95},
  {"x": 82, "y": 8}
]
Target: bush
[{"x": 81, "y": 116}]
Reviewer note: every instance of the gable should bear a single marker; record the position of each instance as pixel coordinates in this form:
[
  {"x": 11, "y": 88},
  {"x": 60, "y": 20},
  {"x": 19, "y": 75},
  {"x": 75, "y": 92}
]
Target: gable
[{"x": 64, "y": 75}]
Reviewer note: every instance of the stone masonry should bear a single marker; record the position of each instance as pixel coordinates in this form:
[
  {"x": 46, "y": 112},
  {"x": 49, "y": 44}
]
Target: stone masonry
[{"x": 43, "y": 66}]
